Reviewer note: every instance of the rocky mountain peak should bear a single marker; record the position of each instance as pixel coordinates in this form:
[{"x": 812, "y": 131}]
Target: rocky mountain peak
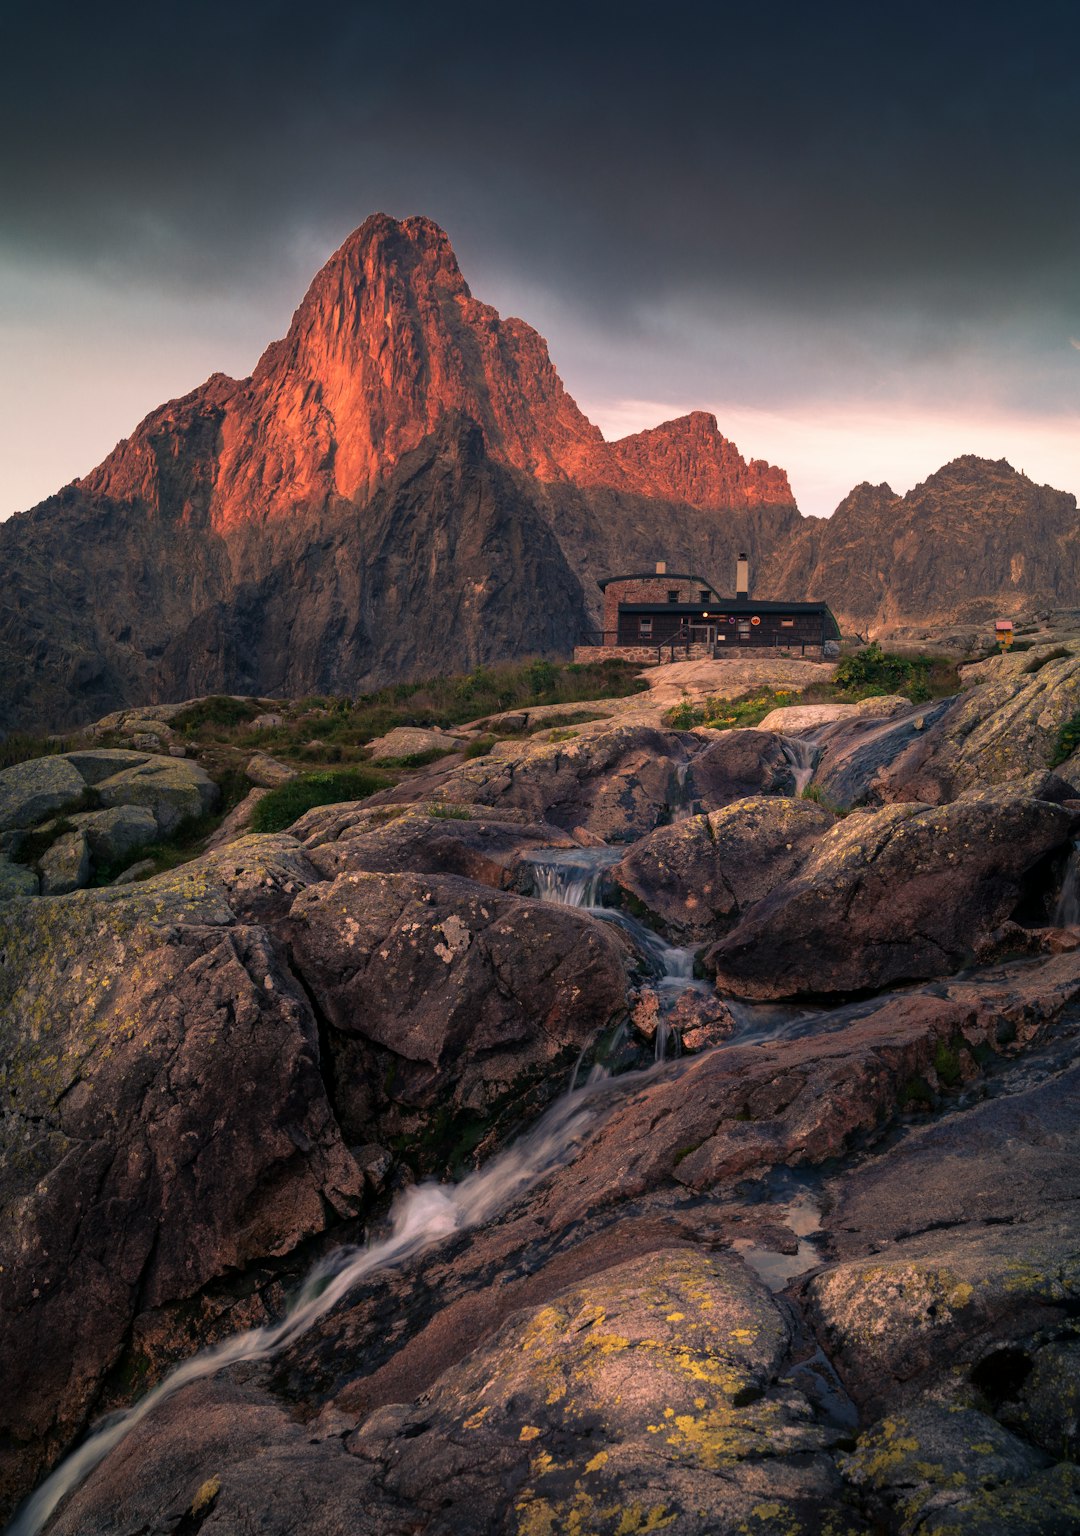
[{"x": 387, "y": 340}]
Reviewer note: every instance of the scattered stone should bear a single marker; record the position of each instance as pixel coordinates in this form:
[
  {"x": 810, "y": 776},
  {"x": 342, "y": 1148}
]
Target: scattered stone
[
  {"x": 411, "y": 741},
  {"x": 267, "y": 773}
]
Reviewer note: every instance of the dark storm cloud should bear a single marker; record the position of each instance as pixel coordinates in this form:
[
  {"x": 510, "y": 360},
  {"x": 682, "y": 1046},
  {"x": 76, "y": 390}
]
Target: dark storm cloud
[{"x": 822, "y": 158}]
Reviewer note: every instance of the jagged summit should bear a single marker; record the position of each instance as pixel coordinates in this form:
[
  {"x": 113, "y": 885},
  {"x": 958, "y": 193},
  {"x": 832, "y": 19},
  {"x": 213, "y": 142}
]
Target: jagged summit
[{"x": 387, "y": 339}]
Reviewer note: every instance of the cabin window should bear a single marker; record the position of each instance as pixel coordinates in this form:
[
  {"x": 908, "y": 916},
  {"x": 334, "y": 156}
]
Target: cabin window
[
  {"x": 645, "y": 628},
  {"x": 787, "y": 623},
  {"x": 705, "y": 594},
  {"x": 673, "y": 597}
]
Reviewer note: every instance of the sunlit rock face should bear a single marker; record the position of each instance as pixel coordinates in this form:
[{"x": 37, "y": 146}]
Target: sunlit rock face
[{"x": 388, "y": 339}]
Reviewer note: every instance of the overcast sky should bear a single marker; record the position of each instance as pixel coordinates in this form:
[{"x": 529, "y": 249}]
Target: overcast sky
[{"x": 852, "y": 231}]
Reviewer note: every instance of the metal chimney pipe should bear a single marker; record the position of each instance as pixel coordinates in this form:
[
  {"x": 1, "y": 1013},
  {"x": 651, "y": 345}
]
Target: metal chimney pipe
[{"x": 742, "y": 577}]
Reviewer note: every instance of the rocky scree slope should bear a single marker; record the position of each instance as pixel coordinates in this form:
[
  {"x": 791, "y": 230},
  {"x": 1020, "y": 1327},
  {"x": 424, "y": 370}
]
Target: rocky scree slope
[
  {"x": 215, "y": 1077},
  {"x": 404, "y": 485}
]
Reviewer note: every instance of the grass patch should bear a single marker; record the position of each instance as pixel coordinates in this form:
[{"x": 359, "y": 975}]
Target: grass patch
[
  {"x": 322, "y": 732},
  {"x": 284, "y": 805},
  {"x": 1068, "y": 740},
  {"x": 217, "y": 710},
  {"x": 22, "y": 746},
  {"x": 947, "y": 1065},
  {"x": 449, "y": 812},
  {"x": 721, "y": 714}
]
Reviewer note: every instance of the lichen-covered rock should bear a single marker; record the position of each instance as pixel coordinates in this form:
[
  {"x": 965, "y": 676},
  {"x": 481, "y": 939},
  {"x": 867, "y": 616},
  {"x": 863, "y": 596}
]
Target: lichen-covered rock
[
  {"x": 996, "y": 732},
  {"x": 934, "y": 1464},
  {"x": 165, "y": 1123},
  {"x": 444, "y": 993},
  {"x": 898, "y": 894},
  {"x": 16, "y": 881},
  {"x": 697, "y": 877},
  {"x": 478, "y": 847},
  {"x": 65, "y": 865},
  {"x": 648, "y": 1397},
  {"x": 32, "y": 790},
  {"x": 174, "y": 789}
]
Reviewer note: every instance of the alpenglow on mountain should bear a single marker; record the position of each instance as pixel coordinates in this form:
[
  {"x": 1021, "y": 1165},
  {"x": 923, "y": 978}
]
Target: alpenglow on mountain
[{"x": 404, "y": 485}]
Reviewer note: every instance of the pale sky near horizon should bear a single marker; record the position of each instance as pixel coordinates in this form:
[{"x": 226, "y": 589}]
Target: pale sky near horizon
[{"x": 853, "y": 235}]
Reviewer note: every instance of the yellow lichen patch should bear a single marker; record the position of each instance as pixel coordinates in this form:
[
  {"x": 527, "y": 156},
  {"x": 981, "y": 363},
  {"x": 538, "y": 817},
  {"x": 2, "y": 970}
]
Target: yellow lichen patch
[
  {"x": 596, "y": 1462},
  {"x": 476, "y": 1419},
  {"x": 675, "y": 1317},
  {"x": 529, "y": 1432},
  {"x": 635, "y": 1520},
  {"x": 206, "y": 1494}
]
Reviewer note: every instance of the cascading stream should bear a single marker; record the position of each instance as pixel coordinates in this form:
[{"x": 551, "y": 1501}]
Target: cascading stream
[
  {"x": 574, "y": 877},
  {"x": 421, "y": 1217}
]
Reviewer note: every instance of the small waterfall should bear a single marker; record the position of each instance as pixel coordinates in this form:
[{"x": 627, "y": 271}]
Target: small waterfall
[
  {"x": 683, "y": 806},
  {"x": 802, "y": 754},
  {"x": 421, "y": 1217},
  {"x": 1067, "y": 911},
  {"x": 572, "y": 877}
]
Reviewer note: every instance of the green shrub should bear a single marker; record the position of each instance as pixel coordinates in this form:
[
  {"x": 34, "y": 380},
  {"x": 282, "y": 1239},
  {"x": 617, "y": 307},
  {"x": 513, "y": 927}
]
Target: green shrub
[
  {"x": 873, "y": 670},
  {"x": 284, "y": 805},
  {"x": 1068, "y": 740},
  {"x": 721, "y": 714},
  {"x": 218, "y": 709}
]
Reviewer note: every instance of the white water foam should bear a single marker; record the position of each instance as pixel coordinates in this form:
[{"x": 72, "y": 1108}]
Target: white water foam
[{"x": 421, "y": 1217}]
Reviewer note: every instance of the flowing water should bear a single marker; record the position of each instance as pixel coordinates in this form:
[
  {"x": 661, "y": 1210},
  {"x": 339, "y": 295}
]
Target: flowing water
[
  {"x": 429, "y": 1213},
  {"x": 575, "y": 877},
  {"x": 572, "y": 877},
  {"x": 1067, "y": 911},
  {"x": 420, "y": 1218},
  {"x": 802, "y": 752}
]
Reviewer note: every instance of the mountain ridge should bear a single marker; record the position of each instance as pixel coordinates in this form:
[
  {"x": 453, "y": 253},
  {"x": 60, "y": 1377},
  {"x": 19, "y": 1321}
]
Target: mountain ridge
[{"x": 404, "y": 483}]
